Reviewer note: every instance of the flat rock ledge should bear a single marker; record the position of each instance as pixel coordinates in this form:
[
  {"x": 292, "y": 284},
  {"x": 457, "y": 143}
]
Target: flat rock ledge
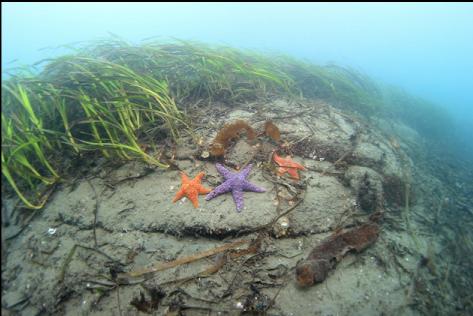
[{"x": 333, "y": 193}]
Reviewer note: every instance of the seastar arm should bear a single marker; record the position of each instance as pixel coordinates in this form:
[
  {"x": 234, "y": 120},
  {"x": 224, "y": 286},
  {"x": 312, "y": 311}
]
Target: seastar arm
[
  {"x": 223, "y": 171},
  {"x": 293, "y": 173},
  {"x": 199, "y": 176},
  {"x": 223, "y": 188},
  {"x": 246, "y": 170},
  {"x": 238, "y": 198},
  {"x": 203, "y": 190},
  {"x": 281, "y": 171},
  {"x": 184, "y": 177},
  {"x": 299, "y": 166},
  {"x": 279, "y": 160},
  {"x": 179, "y": 195},
  {"x": 194, "y": 197},
  {"x": 247, "y": 186}
]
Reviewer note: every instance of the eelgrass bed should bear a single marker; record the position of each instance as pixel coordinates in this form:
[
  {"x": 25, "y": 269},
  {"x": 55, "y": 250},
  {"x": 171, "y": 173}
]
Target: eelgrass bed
[{"x": 107, "y": 95}]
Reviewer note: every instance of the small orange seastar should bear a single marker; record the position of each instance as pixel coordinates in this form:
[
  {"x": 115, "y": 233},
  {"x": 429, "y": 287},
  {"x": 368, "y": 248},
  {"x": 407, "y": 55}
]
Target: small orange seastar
[
  {"x": 191, "y": 189},
  {"x": 287, "y": 165}
]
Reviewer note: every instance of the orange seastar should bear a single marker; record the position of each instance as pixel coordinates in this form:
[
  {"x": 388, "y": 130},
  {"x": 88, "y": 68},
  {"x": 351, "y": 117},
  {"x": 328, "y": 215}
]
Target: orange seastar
[
  {"x": 287, "y": 165},
  {"x": 191, "y": 189}
]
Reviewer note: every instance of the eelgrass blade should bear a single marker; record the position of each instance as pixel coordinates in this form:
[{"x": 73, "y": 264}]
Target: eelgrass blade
[{"x": 11, "y": 181}]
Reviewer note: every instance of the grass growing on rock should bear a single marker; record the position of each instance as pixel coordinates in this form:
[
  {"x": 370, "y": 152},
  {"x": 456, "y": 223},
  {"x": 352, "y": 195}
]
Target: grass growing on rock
[{"x": 106, "y": 95}]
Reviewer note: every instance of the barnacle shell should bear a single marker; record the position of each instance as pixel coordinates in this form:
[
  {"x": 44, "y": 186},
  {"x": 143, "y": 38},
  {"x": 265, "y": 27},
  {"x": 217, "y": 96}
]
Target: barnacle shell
[{"x": 281, "y": 227}]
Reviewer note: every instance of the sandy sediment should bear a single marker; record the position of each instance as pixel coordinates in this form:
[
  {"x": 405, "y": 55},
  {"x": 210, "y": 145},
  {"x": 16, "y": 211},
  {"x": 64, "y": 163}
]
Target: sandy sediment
[{"x": 123, "y": 219}]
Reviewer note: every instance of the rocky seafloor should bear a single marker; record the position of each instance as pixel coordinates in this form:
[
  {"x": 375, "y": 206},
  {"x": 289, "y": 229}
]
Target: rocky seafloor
[{"x": 113, "y": 219}]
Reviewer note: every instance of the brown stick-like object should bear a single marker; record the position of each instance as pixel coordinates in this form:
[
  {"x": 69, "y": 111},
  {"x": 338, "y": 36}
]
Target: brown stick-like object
[{"x": 183, "y": 260}]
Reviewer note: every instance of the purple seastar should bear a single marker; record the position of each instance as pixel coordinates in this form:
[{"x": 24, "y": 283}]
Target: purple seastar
[{"x": 236, "y": 183}]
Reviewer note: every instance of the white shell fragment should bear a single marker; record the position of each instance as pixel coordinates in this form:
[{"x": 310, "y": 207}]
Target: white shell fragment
[
  {"x": 281, "y": 227},
  {"x": 51, "y": 231}
]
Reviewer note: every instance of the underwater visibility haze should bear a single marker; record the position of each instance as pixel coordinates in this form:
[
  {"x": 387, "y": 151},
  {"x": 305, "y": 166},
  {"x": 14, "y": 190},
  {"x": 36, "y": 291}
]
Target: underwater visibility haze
[{"x": 222, "y": 158}]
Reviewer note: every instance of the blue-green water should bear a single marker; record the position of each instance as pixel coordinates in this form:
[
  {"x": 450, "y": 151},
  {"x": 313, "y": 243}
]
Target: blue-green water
[{"x": 425, "y": 48}]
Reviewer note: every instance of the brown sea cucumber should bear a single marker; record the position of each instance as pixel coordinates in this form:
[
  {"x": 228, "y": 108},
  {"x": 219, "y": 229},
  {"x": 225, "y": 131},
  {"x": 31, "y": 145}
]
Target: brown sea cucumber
[
  {"x": 326, "y": 255},
  {"x": 229, "y": 132},
  {"x": 272, "y": 131}
]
